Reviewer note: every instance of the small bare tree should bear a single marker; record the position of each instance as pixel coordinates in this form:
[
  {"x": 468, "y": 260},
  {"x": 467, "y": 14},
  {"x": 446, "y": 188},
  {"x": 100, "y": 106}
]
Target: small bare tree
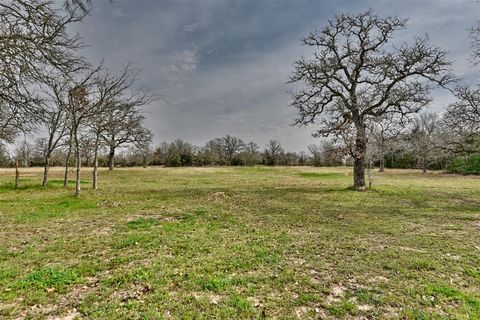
[
  {"x": 118, "y": 121},
  {"x": 121, "y": 118},
  {"x": 354, "y": 76},
  {"x": 84, "y": 101},
  {"x": 123, "y": 125},
  {"x": 54, "y": 116}
]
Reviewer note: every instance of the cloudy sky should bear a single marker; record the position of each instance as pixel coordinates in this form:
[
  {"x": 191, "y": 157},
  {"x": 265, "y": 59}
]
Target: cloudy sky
[{"x": 221, "y": 66}]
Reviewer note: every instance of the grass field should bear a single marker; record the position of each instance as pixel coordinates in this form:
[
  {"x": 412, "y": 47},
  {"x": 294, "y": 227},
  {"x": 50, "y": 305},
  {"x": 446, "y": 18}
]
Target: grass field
[{"x": 285, "y": 243}]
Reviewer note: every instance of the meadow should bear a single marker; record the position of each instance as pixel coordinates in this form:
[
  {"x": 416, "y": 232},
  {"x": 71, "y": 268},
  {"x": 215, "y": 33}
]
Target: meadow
[{"x": 246, "y": 242}]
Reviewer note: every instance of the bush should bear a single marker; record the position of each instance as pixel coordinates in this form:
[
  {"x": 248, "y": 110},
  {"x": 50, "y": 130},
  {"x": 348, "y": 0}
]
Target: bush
[{"x": 459, "y": 165}]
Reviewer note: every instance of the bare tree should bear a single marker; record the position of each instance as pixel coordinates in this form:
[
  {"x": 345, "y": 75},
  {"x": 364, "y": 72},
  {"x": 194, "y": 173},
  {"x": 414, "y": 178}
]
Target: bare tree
[
  {"x": 84, "y": 100},
  {"x": 354, "y": 76},
  {"x": 24, "y": 152},
  {"x": 122, "y": 119},
  {"x": 251, "y": 153},
  {"x": 316, "y": 153},
  {"x": 143, "y": 143},
  {"x": 68, "y": 154},
  {"x": 212, "y": 152},
  {"x": 87, "y": 147},
  {"x": 54, "y": 116},
  {"x": 422, "y": 137},
  {"x": 34, "y": 40},
  {"x": 467, "y": 108},
  {"x": 232, "y": 146},
  {"x": 13, "y": 120},
  {"x": 83, "y": 5},
  {"x": 80, "y": 110},
  {"x": 461, "y": 123},
  {"x": 4, "y": 155},
  {"x": 475, "y": 36},
  {"x": 384, "y": 131},
  {"x": 123, "y": 125},
  {"x": 273, "y": 152}
]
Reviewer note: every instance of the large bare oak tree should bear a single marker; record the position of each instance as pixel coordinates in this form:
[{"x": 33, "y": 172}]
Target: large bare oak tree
[{"x": 355, "y": 75}]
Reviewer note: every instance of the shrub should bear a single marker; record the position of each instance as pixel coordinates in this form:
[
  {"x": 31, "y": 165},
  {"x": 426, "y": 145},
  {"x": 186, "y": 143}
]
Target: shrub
[{"x": 470, "y": 166}]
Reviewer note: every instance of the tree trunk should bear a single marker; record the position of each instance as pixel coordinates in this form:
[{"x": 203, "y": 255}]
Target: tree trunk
[
  {"x": 78, "y": 164},
  {"x": 17, "y": 175},
  {"x": 424, "y": 166},
  {"x": 111, "y": 156},
  {"x": 95, "y": 165},
  {"x": 370, "y": 176},
  {"x": 45, "y": 170},
  {"x": 382, "y": 164},
  {"x": 359, "y": 159},
  {"x": 69, "y": 153}
]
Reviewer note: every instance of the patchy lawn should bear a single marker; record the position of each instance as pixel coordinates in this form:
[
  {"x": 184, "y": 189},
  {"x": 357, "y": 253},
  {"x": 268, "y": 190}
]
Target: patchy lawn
[{"x": 285, "y": 243}]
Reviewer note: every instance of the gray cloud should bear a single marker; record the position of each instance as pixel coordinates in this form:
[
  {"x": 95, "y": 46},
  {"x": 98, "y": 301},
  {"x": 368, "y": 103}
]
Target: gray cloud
[{"x": 221, "y": 66}]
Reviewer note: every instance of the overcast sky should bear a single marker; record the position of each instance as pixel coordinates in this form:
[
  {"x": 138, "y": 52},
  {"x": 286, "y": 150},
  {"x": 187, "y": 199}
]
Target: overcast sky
[{"x": 221, "y": 66}]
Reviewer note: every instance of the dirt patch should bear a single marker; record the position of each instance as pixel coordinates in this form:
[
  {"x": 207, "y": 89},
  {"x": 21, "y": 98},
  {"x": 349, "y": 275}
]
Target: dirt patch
[
  {"x": 70, "y": 316},
  {"x": 364, "y": 307},
  {"x": 213, "y": 298},
  {"x": 136, "y": 291},
  {"x": 53, "y": 311},
  {"x": 255, "y": 301},
  {"x": 378, "y": 279},
  {"x": 218, "y": 196},
  {"x": 297, "y": 261},
  {"x": 337, "y": 291},
  {"x": 301, "y": 312}
]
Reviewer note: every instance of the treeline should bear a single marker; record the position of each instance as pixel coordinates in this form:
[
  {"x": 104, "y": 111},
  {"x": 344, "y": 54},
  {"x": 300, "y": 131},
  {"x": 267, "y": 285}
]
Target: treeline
[
  {"x": 224, "y": 151},
  {"x": 232, "y": 151},
  {"x": 448, "y": 141},
  {"x": 428, "y": 141}
]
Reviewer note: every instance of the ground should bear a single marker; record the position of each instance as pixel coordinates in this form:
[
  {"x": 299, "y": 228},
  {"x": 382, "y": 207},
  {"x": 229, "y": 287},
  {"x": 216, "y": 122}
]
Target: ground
[{"x": 284, "y": 243}]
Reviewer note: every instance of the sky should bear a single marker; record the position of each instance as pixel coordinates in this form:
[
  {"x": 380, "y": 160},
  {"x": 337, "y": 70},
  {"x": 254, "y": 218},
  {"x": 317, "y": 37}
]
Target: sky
[{"x": 221, "y": 66}]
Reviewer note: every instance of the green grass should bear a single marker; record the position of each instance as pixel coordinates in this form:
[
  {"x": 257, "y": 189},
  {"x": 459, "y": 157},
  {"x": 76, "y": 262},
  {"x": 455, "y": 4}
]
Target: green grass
[{"x": 252, "y": 243}]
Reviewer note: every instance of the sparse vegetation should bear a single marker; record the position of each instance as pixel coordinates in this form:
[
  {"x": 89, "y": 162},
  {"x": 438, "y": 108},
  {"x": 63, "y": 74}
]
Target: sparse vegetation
[{"x": 282, "y": 242}]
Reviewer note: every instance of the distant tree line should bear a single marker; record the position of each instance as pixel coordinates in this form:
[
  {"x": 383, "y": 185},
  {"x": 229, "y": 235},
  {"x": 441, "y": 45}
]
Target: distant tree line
[
  {"x": 429, "y": 141},
  {"x": 228, "y": 151},
  {"x": 225, "y": 151}
]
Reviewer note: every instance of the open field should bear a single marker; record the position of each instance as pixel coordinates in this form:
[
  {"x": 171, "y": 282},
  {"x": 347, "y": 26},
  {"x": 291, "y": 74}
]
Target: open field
[{"x": 256, "y": 242}]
